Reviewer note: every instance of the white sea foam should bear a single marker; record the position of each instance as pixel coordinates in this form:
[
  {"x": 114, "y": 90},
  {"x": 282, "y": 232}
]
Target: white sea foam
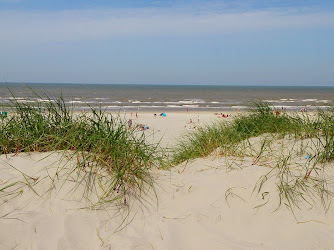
[
  {"x": 272, "y": 100},
  {"x": 75, "y": 102},
  {"x": 323, "y": 101},
  {"x": 25, "y": 100},
  {"x": 239, "y": 107},
  {"x": 82, "y": 102},
  {"x": 191, "y": 101},
  {"x": 190, "y": 105},
  {"x": 309, "y": 100},
  {"x": 137, "y": 102},
  {"x": 169, "y": 102},
  {"x": 44, "y": 100},
  {"x": 16, "y": 98},
  {"x": 284, "y": 100},
  {"x": 174, "y": 106}
]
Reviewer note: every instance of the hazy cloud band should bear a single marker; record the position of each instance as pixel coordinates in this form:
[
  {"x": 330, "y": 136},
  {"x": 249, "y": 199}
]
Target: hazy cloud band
[{"x": 104, "y": 24}]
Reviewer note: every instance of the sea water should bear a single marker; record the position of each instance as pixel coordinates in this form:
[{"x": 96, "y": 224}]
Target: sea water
[{"x": 169, "y": 97}]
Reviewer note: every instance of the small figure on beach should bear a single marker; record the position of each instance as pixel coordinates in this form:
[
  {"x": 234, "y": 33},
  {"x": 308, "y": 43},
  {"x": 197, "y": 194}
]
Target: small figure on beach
[
  {"x": 142, "y": 126},
  {"x": 191, "y": 127},
  {"x": 198, "y": 118},
  {"x": 187, "y": 109},
  {"x": 191, "y": 121},
  {"x": 136, "y": 115},
  {"x": 155, "y": 115},
  {"x": 130, "y": 123}
]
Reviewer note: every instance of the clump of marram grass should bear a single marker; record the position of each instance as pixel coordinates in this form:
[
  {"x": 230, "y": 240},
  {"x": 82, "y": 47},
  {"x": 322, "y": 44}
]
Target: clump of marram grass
[
  {"x": 296, "y": 181},
  {"x": 96, "y": 140},
  {"x": 225, "y": 135},
  {"x": 326, "y": 137},
  {"x": 298, "y": 178}
]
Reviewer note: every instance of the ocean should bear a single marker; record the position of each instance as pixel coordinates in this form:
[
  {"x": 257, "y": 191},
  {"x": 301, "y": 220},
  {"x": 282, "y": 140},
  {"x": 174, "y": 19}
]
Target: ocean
[{"x": 169, "y": 97}]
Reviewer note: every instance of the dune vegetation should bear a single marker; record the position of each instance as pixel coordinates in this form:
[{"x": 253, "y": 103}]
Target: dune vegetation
[
  {"x": 99, "y": 141},
  {"x": 297, "y": 149},
  {"x": 96, "y": 140}
]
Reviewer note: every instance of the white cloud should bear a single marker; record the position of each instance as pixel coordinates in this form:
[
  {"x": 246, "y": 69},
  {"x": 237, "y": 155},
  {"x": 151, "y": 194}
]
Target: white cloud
[{"x": 76, "y": 25}]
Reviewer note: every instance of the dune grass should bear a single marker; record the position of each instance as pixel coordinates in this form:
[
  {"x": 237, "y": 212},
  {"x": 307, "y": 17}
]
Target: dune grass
[
  {"x": 261, "y": 119},
  {"x": 118, "y": 160},
  {"x": 102, "y": 145},
  {"x": 285, "y": 140}
]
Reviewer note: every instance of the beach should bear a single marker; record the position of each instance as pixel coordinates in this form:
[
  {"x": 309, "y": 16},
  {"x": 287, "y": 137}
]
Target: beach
[
  {"x": 210, "y": 202},
  {"x": 172, "y": 125},
  {"x": 167, "y": 130}
]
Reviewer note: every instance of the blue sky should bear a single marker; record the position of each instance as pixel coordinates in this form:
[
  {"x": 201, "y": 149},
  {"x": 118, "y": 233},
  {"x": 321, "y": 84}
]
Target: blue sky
[{"x": 236, "y": 42}]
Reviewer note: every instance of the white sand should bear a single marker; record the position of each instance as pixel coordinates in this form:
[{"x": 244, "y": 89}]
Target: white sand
[
  {"x": 167, "y": 130},
  {"x": 201, "y": 205}
]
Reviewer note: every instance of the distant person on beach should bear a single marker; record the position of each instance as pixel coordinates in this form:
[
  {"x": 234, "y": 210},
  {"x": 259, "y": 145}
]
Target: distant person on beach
[
  {"x": 129, "y": 123},
  {"x": 198, "y": 118},
  {"x": 136, "y": 115},
  {"x": 155, "y": 115},
  {"x": 191, "y": 121},
  {"x": 187, "y": 109}
]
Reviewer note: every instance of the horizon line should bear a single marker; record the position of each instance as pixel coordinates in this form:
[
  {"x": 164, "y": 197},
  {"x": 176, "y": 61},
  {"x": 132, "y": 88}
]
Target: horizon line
[{"x": 174, "y": 84}]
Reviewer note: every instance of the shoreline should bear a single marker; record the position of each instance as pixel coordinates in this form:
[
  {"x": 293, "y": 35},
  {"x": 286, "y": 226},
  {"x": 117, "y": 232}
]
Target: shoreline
[{"x": 200, "y": 109}]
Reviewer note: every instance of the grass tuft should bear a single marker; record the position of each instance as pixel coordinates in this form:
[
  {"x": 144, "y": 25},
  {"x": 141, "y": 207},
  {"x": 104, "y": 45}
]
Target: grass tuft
[
  {"x": 307, "y": 135},
  {"x": 107, "y": 153}
]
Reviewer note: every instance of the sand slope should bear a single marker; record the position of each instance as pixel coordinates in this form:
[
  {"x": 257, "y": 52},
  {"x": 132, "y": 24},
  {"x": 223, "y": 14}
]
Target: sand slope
[{"x": 200, "y": 205}]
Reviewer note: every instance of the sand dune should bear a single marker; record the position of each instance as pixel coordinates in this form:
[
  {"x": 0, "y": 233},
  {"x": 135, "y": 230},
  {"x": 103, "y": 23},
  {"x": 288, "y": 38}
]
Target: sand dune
[{"x": 204, "y": 204}]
